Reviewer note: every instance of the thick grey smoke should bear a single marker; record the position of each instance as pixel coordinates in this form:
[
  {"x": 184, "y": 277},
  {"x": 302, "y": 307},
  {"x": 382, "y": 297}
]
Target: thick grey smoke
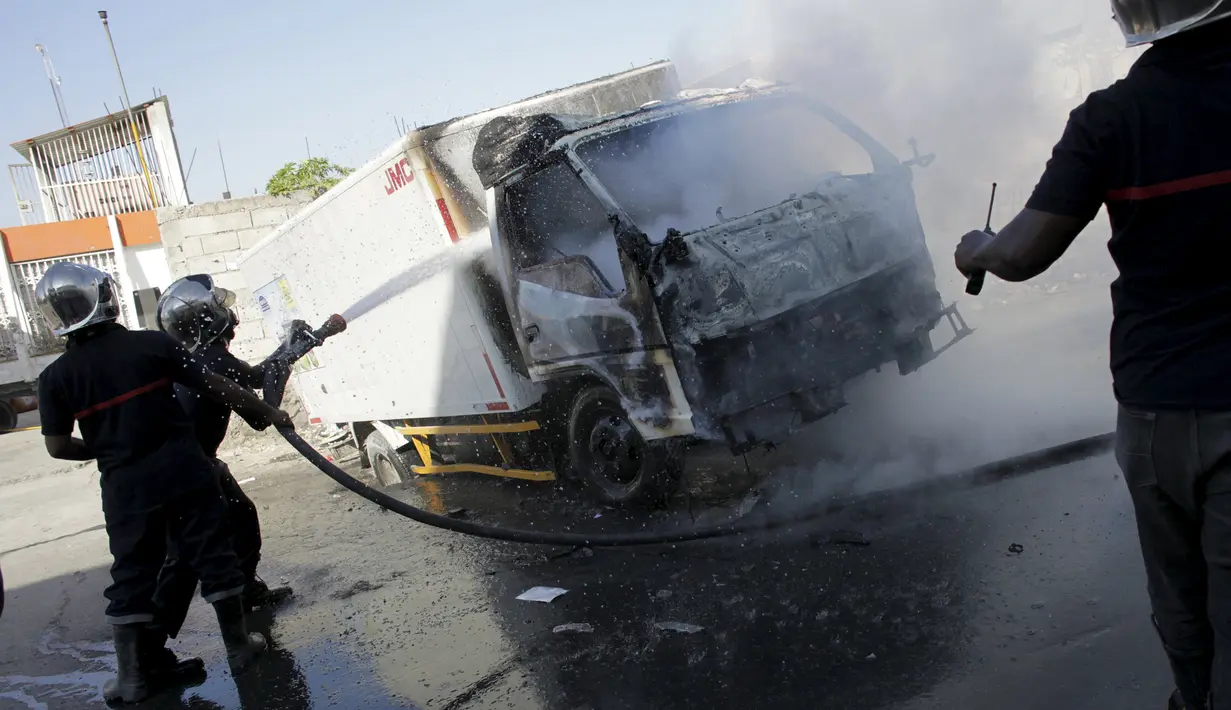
[{"x": 986, "y": 85}]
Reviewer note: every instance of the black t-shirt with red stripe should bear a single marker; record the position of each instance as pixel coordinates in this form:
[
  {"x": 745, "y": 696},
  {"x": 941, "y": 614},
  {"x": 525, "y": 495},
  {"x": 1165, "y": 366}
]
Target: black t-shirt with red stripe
[
  {"x": 1155, "y": 148},
  {"x": 116, "y": 385}
]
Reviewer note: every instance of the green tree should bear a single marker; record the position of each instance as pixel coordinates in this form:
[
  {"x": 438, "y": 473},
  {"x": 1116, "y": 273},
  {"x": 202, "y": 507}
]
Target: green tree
[{"x": 315, "y": 174}]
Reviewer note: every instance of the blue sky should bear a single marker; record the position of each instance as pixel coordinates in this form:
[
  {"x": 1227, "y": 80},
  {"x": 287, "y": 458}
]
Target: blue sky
[{"x": 263, "y": 74}]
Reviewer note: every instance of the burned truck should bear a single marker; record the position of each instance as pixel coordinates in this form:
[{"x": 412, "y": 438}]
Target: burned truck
[
  {"x": 708, "y": 266},
  {"x": 701, "y": 265}
]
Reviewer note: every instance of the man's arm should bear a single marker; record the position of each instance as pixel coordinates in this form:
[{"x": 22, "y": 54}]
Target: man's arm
[
  {"x": 188, "y": 371},
  {"x": 227, "y": 392},
  {"x": 58, "y": 422},
  {"x": 1025, "y": 248},
  {"x": 1067, "y": 198},
  {"x": 67, "y": 448}
]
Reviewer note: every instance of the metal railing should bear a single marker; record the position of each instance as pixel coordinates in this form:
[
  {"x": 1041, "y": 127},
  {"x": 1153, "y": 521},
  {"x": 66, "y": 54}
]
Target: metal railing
[{"x": 98, "y": 170}]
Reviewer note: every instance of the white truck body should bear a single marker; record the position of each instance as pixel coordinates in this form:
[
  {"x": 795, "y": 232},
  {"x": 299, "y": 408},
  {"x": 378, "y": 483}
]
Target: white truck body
[{"x": 396, "y": 239}]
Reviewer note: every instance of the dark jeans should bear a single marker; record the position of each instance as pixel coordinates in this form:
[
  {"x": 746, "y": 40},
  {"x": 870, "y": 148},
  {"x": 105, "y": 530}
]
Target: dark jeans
[
  {"x": 195, "y": 523},
  {"x": 178, "y": 580},
  {"x": 1178, "y": 469}
]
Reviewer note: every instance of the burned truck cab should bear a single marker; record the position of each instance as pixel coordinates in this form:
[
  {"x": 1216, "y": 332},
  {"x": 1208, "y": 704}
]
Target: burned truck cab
[{"x": 725, "y": 263}]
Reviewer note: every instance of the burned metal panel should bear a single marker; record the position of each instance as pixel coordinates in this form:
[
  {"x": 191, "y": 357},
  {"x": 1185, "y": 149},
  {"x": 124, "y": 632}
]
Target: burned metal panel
[{"x": 752, "y": 269}]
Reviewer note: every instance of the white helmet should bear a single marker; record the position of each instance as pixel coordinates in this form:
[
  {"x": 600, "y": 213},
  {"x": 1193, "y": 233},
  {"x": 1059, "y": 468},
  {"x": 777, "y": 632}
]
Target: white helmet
[
  {"x": 1145, "y": 21},
  {"x": 74, "y": 296}
]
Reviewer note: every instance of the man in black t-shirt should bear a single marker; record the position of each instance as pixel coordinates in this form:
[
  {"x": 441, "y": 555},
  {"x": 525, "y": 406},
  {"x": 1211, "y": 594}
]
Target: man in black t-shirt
[
  {"x": 197, "y": 313},
  {"x": 1155, "y": 149},
  {"x": 115, "y": 385}
]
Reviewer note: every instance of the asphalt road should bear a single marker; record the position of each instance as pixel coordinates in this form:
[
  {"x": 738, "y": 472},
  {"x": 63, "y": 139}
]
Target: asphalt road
[{"x": 1024, "y": 594}]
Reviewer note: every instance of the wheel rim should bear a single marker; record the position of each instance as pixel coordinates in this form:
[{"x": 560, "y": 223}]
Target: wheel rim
[
  {"x": 385, "y": 472},
  {"x": 614, "y": 449}
]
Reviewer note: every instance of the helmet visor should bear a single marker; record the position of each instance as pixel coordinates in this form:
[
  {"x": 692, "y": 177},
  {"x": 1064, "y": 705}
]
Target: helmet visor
[
  {"x": 66, "y": 307},
  {"x": 1145, "y": 21}
]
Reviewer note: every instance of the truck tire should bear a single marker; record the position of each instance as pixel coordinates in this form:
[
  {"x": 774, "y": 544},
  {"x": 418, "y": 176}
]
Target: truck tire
[
  {"x": 8, "y": 417},
  {"x": 388, "y": 466},
  {"x": 608, "y": 454}
]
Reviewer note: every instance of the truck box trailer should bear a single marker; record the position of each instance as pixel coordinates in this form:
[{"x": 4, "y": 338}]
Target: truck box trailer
[{"x": 586, "y": 282}]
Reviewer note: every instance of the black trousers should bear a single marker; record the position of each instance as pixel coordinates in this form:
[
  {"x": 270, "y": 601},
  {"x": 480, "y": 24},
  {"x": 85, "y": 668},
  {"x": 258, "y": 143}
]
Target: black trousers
[
  {"x": 177, "y": 580},
  {"x": 195, "y": 524},
  {"x": 1178, "y": 469}
]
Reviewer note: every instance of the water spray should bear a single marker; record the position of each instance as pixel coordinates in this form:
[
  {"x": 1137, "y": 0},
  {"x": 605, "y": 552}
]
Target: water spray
[{"x": 305, "y": 340}]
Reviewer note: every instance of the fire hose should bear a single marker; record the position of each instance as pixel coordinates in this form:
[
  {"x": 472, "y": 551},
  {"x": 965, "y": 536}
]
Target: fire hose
[{"x": 277, "y": 376}]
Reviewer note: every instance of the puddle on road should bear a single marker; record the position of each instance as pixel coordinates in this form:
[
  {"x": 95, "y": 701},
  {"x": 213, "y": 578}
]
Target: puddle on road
[
  {"x": 322, "y": 675},
  {"x": 72, "y": 689}
]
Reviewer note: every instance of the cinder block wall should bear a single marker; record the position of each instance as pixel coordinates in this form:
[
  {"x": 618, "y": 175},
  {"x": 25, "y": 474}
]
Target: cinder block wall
[{"x": 208, "y": 238}]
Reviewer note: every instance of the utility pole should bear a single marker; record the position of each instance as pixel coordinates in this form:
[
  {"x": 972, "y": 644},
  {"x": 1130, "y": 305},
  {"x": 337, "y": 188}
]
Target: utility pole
[
  {"x": 55, "y": 84},
  {"x": 226, "y": 195},
  {"x": 307, "y": 147},
  {"x": 149, "y": 183}
]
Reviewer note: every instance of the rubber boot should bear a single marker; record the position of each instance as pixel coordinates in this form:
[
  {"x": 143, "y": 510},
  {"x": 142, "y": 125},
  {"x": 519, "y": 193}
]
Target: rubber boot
[
  {"x": 130, "y": 684},
  {"x": 1191, "y": 673},
  {"x": 259, "y": 595},
  {"x": 163, "y": 666},
  {"x": 242, "y": 647}
]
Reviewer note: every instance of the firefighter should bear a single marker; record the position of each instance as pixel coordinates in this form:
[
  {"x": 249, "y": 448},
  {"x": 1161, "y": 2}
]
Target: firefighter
[
  {"x": 198, "y": 314},
  {"x": 115, "y": 385},
  {"x": 1155, "y": 149}
]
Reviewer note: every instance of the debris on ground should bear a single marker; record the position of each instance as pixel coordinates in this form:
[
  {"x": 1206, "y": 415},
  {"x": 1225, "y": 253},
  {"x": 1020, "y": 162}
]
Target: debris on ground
[
  {"x": 359, "y": 587},
  {"x": 249, "y": 479},
  {"x": 458, "y": 513},
  {"x": 663, "y": 594},
  {"x": 678, "y": 627},
  {"x": 843, "y": 537},
  {"x": 573, "y": 629},
  {"x": 871, "y": 657},
  {"x": 541, "y": 594},
  {"x": 1016, "y": 549}
]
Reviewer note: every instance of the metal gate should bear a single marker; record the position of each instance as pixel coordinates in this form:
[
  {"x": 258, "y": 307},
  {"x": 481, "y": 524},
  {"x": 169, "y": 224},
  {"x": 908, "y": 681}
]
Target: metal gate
[
  {"x": 10, "y": 331},
  {"x": 26, "y": 275}
]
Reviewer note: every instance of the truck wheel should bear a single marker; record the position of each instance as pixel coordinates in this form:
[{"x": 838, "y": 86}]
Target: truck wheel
[
  {"x": 606, "y": 451},
  {"x": 387, "y": 464},
  {"x": 8, "y": 417}
]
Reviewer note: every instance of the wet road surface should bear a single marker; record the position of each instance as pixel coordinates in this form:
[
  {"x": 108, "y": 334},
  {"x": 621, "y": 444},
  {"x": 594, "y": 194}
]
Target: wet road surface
[
  {"x": 914, "y": 603},
  {"x": 1027, "y": 593}
]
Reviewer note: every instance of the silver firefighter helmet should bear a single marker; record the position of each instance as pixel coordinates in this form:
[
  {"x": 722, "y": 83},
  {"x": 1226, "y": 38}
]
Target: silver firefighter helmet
[
  {"x": 75, "y": 296},
  {"x": 195, "y": 311},
  {"x": 1145, "y": 21}
]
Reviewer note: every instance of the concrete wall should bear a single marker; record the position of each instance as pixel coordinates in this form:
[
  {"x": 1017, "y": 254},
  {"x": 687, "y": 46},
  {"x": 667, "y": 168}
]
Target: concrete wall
[{"x": 208, "y": 238}]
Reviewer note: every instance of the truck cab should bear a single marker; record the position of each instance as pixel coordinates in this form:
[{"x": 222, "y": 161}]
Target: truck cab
[{"x": 715, "y": 267}]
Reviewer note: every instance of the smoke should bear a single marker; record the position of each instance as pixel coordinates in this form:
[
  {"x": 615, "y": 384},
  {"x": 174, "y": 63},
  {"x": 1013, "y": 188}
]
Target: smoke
[{"x": 986, "y": 87}]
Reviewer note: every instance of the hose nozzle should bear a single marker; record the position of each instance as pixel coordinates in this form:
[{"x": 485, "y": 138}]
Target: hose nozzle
[{"x": 334, "y": 324}]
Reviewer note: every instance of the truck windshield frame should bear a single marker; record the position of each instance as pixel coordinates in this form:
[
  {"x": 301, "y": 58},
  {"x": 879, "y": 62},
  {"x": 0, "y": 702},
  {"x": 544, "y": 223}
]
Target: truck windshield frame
[
  {"x": 559, "y": 233},
  {"x": 735, "y": 163}
]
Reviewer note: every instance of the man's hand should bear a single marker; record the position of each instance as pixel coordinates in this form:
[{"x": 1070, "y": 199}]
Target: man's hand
[
  {"x": 967, "y": 253},
  {"x": 280, "y": 419}
]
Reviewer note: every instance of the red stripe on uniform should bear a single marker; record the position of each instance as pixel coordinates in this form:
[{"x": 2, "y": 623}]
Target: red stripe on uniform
[
  {"x": 1174, "y": 187},
  {"x": 123, "y": 398}
]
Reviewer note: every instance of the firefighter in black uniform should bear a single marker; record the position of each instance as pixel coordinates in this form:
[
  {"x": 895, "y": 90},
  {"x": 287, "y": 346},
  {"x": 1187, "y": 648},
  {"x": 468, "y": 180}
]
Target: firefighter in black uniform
[
  {"x": 1156, "y": 150},
  {"x": 157, "y": 484},
  {"x": 198, "y": 314}
]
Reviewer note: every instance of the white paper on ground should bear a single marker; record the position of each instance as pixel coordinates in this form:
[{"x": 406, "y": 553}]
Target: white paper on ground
[{"x": 541, "y": 594}]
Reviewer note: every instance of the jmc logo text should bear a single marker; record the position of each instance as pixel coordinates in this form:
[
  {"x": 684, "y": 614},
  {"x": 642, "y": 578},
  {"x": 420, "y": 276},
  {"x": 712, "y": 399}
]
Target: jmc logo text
[{"x": 399, "y": 175}]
